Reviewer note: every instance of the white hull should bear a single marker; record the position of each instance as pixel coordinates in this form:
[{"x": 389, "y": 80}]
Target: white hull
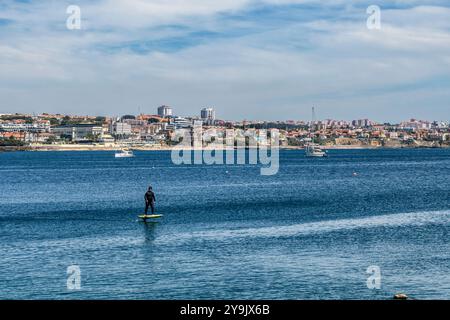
[
  {"x": 124, "y": 154},
  {"x": 315, "y": 151},
  {"x": 316, "y": 155}
]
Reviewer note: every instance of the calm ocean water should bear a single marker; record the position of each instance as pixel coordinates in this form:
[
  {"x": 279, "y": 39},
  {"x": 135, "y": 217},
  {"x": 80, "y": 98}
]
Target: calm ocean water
[{"x": 309, "y": 232}]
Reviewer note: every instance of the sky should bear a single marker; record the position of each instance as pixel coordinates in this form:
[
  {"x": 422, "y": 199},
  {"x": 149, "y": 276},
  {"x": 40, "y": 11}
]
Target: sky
[{"x": 249, "y": 59}]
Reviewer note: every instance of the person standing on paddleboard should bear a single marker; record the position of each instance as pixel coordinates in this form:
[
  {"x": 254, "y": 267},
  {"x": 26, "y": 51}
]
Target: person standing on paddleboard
[{"x": 150, "y": 200}]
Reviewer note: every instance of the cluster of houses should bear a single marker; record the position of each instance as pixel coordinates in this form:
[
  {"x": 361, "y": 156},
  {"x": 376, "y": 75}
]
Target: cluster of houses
[{"x": 159, "y": 130}]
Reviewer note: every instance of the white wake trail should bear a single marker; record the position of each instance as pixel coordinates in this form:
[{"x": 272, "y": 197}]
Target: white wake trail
[{"x": 389, "y": 220}]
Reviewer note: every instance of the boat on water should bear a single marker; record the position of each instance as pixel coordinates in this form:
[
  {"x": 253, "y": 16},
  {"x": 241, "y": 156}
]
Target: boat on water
[
  {"x": 314, "y": 150},
  {"x": 124, "y": 153}
]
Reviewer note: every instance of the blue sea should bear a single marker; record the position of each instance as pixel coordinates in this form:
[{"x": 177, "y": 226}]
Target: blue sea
[{"x": 309, "y": 232}]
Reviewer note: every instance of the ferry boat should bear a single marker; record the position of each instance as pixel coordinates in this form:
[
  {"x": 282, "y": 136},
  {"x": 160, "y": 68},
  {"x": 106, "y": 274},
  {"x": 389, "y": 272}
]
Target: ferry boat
[
  {"x": 124, "y": 153},
  {"x": 314, "y": 150}
]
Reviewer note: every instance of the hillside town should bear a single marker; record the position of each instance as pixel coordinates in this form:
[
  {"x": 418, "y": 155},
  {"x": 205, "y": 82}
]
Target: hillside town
[{"x": 156, "y": 131}]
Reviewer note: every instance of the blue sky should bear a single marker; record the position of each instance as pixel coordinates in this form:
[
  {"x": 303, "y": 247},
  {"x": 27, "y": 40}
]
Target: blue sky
[{"x": 250, "y": 59}]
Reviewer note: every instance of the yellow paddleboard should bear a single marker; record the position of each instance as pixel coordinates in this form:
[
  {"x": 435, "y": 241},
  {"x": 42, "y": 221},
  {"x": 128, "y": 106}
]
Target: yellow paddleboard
[{"x": 150, "y": 216}]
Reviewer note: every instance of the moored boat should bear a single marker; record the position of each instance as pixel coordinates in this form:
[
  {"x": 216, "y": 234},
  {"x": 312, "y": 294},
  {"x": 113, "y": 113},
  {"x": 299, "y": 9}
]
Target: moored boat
[
  {"x": 314, "y": 150},
  {"x": 124, "y": 153}
]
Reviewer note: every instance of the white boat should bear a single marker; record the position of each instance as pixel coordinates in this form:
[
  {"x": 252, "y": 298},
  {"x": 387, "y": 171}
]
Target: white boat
[
  {"x": 124, "y": 153},
  {"x": 314, "y": 150}
]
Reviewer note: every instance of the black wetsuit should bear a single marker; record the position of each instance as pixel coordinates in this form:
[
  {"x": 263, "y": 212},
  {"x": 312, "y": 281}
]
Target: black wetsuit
[{"x": 149, "y": 201}]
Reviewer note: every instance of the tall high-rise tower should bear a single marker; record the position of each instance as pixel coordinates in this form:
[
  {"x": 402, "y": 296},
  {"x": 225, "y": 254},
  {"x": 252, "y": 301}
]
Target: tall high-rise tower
[
  {"x": 164, "y": 111},
  {"x": 208, "y": 115}
]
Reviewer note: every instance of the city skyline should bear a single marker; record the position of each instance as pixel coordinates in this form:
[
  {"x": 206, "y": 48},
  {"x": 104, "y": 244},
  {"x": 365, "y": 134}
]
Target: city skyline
[
  {"x": 49, "y": 132},
  {"x": 265, "y": 59},
  {"x": 198, "y": 115}
]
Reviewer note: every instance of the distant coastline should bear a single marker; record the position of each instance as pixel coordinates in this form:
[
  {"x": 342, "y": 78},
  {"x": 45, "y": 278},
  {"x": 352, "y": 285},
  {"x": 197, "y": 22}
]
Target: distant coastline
[{"x": 82, "y": 147}]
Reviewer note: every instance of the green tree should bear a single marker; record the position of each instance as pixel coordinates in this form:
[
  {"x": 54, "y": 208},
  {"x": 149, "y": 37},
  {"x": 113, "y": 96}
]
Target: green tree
[
  {"x": 100, "y": 120},
  {"x": 11, "y": 142}
]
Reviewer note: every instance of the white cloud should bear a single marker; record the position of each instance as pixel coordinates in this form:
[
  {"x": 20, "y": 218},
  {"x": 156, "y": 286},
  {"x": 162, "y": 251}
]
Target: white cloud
[{"x": 289, "y": 67}]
